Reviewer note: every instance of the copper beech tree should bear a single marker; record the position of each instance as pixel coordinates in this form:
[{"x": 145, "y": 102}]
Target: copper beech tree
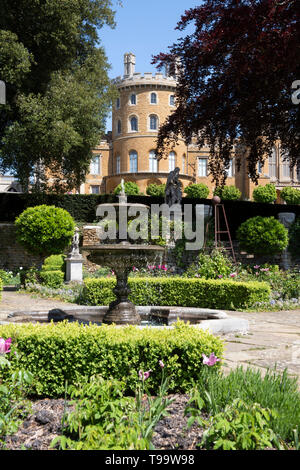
[{"x": 236, "y": 75}]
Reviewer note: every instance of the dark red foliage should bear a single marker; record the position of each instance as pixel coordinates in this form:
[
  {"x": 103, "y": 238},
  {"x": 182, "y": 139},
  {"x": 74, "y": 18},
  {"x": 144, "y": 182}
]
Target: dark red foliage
[{"x": 235, "y": 73}]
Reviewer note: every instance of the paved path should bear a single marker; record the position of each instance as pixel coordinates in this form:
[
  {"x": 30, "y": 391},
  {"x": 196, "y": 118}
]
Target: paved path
[{"x": 273, "y": 339}]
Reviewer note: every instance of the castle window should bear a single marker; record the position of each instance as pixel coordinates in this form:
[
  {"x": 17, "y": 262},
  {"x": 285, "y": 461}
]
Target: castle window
[
  {"x": 95, "y": 165},
  {"x": 152, "y": 162},
  {"x": 118, "y": 164},
  {"x": 273, "y": 163},
  {"x": 119, "y": 127},
  {"x": 118, "y": 103},
  {"x": 229, "y": 172},
  {"x": 172, "y": 161},
  {"x": 133, "y": 124},
  {"x": 183, "y": 164},
  {"x": 133, "y": 99},
  {"x": 153, "y": 98},
  {"x": 153, "y": 122},
  {"x": 133, "y": 161},
  {"x": 202, "y": 167},
  {"x": 95, "y": 189},
  {"x": 172, "y": 100},
  {"x": 285, "y": 167}
]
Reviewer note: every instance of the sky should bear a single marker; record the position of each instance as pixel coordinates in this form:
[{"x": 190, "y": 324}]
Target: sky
[{"x": 144, "y": 28}]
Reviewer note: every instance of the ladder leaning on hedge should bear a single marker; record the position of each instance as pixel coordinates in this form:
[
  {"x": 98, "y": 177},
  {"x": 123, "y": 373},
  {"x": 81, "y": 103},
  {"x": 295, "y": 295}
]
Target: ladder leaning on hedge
[{"x": 218, "y": 244}]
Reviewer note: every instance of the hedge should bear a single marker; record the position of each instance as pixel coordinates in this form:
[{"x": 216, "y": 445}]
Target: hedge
[
  {"x": 177, "y": 291},
  {"x": 59, "y": 352},
  {"x": 1, "y": 287}
]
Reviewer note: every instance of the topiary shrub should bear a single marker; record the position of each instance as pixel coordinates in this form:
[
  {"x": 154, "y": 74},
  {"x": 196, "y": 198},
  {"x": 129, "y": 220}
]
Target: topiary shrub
[
  {"x": 179, "y": 292},
  {"x": 45, "y": 229},
  {"x": 59, "y": 352},
  {"x": 290, "y": 195},
  {"x": 265, "y": 193},
  {"x": 53, "y": 271},
  {"x": 131, "y": 189},
  {"x": 262, "y": 235},
  {"x": 199, "y": 191},
  {"x": 230, "y": 193},
  {"x": 294, "y": 238},
  {"x": 156, "y": 190}
]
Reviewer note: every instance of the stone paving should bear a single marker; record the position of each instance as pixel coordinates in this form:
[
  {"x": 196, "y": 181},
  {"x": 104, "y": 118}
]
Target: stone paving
[{"x": 273, "y": 339}]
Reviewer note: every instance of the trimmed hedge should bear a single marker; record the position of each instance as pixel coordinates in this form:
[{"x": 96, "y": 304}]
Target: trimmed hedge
[
  {"x": 59, "y": 352},
  {"x": 1, "y": 287},
  {"x": 178, "y": 291}
]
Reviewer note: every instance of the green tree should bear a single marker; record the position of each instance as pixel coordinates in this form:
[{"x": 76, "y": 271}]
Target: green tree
[{"x": 58, "y": 90}]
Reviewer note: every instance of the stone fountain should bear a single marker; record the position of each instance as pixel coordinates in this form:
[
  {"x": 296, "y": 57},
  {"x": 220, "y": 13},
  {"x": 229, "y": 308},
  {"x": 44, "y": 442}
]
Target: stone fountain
[{"x": 121, "y": 257}]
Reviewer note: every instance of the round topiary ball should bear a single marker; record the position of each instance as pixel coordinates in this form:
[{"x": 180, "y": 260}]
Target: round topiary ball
[
  {"x": 199, "y": 191},
  {"x": 131, "y": 188},
  {"x": 45, "y": 230},
  {"x": 262, "y": 235},
  {"x": 154, "y": 189},
  {"x": 265, "y": 194},
  {"x": 290, "y": 195}
]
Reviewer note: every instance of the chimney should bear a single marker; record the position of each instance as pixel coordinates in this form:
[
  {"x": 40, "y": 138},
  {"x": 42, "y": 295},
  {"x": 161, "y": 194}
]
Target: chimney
[{"x": 129, "y": 64}]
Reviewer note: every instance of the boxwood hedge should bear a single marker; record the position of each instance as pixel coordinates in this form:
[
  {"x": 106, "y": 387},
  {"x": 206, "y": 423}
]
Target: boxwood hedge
[
  {"x": 178, "y": 291},
  {"x": 59, "y": 352}
]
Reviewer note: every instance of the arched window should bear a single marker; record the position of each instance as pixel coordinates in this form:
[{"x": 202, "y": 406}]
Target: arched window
[
  {"x": 153, "y": 98},
  {"x": 152, "y": 162},
  {"x": 118, "y": 103},
  {"x": 118, "y": 164},
  {"x": 153, "y": 122},
  {"x": 183, "y": 164},
  {"x": 133, "y": 123},
  {"x": 119, "y": 127},
  {"x": 273, "y": 163},
  {"x": 133, "y": 99},
  {"x": 172, "y": 159},
  {"x": 133, "y": 161}
]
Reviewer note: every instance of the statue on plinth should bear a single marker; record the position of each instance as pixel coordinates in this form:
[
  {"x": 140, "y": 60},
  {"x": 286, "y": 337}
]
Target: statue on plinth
[{"x": 173, "y": 191}]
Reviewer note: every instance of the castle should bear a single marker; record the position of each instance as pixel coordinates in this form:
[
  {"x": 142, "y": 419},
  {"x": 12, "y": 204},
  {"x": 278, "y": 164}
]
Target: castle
[{"x": 127, "y": 152}]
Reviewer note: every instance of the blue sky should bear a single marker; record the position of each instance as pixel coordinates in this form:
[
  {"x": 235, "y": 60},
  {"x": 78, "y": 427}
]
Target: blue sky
[{"x": 144, "y": 28}]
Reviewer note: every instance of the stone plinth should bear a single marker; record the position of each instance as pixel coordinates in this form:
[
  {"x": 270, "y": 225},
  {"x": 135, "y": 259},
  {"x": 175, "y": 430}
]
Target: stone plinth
[{"x": 74, "y": 269}]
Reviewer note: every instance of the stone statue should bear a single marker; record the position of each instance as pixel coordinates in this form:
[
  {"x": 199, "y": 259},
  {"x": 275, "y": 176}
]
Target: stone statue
[
  {"x": 75, "y": 244},
  {"x": 173, "y": 191}
]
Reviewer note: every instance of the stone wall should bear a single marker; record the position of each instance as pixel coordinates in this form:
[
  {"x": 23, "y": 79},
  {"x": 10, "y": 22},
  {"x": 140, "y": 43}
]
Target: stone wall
[{"x": 12, "y": 255}]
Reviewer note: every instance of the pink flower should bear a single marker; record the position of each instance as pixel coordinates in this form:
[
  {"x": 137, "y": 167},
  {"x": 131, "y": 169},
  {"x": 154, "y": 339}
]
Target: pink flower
[
  {"x": 233, "y": 274},
  {"x": 161, "y": 364},
  {"x": 256, "y": 266},
  {"x": 5, "y": 345},
  {"x": 220, "y": 276},
  {"x": 144, "y": 375},
  {"x": 164, "y": 267},
  {"x": 211, "y": 360}
]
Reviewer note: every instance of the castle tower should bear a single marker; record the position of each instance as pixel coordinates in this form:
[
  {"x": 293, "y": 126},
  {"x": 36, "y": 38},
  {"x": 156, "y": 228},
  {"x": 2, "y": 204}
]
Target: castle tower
[{"x": 144, "y": 103}]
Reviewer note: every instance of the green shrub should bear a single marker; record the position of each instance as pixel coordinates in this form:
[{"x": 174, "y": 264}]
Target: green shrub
[
  {"x": 52, "y": 279},
  {"x": 262, "y": 235},
  {"x": 57, "y": 352},
  {"x": 1, "y": 287},
  {"x": 131, "y": 188},
  {"x": 290, "y": 195},
  {"x": 210, "y": 266},
  {"x": 199, "y": 190},
  {"x": 182, "y": 292},
  {"x": 228, "y": 193},
  {"x": 54, "y": 263},
  {"x": 294, "y": 237},
  {"x": 45, "y": 229},
  {"x": 156, "y": 190},
  {"x": 265, "y": 193}
]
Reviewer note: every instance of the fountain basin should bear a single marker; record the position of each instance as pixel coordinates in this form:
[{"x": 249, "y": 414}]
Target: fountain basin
[{"x": 216, "y": 321}]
